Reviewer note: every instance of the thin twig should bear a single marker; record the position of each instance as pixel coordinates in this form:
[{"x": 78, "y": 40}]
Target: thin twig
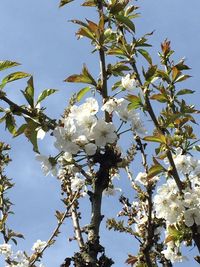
[{"x": 55, "y": 232}]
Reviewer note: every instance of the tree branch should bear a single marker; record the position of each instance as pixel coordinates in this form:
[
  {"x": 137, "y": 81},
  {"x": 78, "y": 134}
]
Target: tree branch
[{"x": 16, "y": 108}]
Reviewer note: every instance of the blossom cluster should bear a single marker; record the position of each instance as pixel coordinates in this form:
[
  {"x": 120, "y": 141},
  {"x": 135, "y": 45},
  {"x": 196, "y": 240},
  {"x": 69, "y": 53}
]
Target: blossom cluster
[
  {"x": 173, "y": 253},
  {"x": 176, "y": 208},
  {"x": 173, "y": 207},
  {"x": 84, "y": 131},
  {"x": 20, "y": 259},
  {"x": 81, "y": 127}
]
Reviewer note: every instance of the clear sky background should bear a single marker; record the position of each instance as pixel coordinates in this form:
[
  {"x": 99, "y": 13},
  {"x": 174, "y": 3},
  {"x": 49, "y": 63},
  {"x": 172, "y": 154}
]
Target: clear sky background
[{"x": 38, "y": 35}]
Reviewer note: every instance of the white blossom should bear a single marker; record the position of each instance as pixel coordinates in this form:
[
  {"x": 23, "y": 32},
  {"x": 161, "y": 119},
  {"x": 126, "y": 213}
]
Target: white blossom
[
  {"x": 110, "y": 105},
  {"x": 81, "y": 140},
  {"x": 173, "y": 253},
  {"x": 66, "y": 158},
  {"x": 5, "y": 250},
  {"x": 85, "y": 125},
  {"x": 88, "y": 108},
  {"x": 39, "y": 245},
  {"x": 111, "y": 191},
  {"x": 141, "y": 178},
  {"x": 65, "y": 137},
  {"x": 90, "y": 149},
  {"x": 77, "y": 183},
  {"x": 128, "y": 82},
  {"x": 192, "y": 216},
  {"x": 104, "y": 133},
  {"x": 46, "y": 165},
  {"x": 137, "y": 125},
  {"x": 168, "y": 204},
  {"x": 123, "y": 112}
]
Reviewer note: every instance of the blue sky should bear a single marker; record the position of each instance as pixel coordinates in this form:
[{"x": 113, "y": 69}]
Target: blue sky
[{"x": 38, "y": 35}]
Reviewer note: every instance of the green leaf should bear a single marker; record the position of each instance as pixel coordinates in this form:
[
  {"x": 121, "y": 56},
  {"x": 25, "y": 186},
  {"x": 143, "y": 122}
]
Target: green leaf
[
  {"x": 115, "y": 51},
  {"x": 175, "y": 73},
  {"x": 182, "y": 66},
  {"x": 116, "y": 85},
  {"x": 117, "y": 6},
  {"x": 135, "y": 102},
  {"x": 159, "y": 97},
  {"x": 185, "y": 91},
  {"x": 2, "y": 118},
  {"x": 146, "y": 55},
  {"x": 45, "y": 93},
  {"x": 64, "y": 2},
  {"x": 20, "y": 130},
  {"x": 29, "y": 92},
  {"x": 89, "y": 3},
  {"x": 117, "y": 69},
  {"x": 82, "y": 92},
  {"x": 15, "y": 76},
  {"x": 6, "y": 64},
  {"x": 30, "y": 87},
  {"x": 87, "y": 74},
  {"x": 197, "y": 148},
  {"x": 31, "y": 133},
  {"x": 159, "y": 138},
  {"x": 182, "y": 78},
  {"x": 10, "y": 123},
  {"x": 126, "y": 21},
  {"x": 162, "y": 74},
  {"x": 84, "y": 31},
  {"x": 84, "y": 77},
  {"x": 155, "y": 170},
  {"x": 149, "y": 75}
]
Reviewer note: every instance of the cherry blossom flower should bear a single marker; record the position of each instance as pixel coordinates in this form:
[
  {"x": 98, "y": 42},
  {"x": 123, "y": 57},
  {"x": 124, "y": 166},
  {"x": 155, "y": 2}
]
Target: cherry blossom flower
[
  {"x": 111, "y": 191},
  {"x": 39, "y": 245},
  {"x": 5, "y": 250},
  {"x": 128, "y": 82},
  {"x": 47, "y": 165},
  {"x": 103, "y": 133},
  {"x": 90, "y": 149},
  {"x": 173, "y": 253},
  {"x": 192, "y": 216}
]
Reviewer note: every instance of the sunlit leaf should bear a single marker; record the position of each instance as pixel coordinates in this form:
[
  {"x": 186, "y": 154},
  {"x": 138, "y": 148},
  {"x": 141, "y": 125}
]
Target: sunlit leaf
[
  {"x": 20, "y": 130},
  {"x": 85, "y": 32},
  {"x": 135, "y": 102},
  {"x": 82, "y": 92},
  {"x": 182, "y": 78},
  {"x": 15, "y": 76},
  {"x": 5, "y": 64},
  {"x": 159, "y": 97},
  {"x": 155, "y": 170},
  {"x": 159, "y": 138},
  {"x": 29, "y": 92},
  {"x": 64, "y": 2},
  {"x": 115, "y": 51},
  {"x": 84, "y": 77},
  {"x": 45, "y": 94}
]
